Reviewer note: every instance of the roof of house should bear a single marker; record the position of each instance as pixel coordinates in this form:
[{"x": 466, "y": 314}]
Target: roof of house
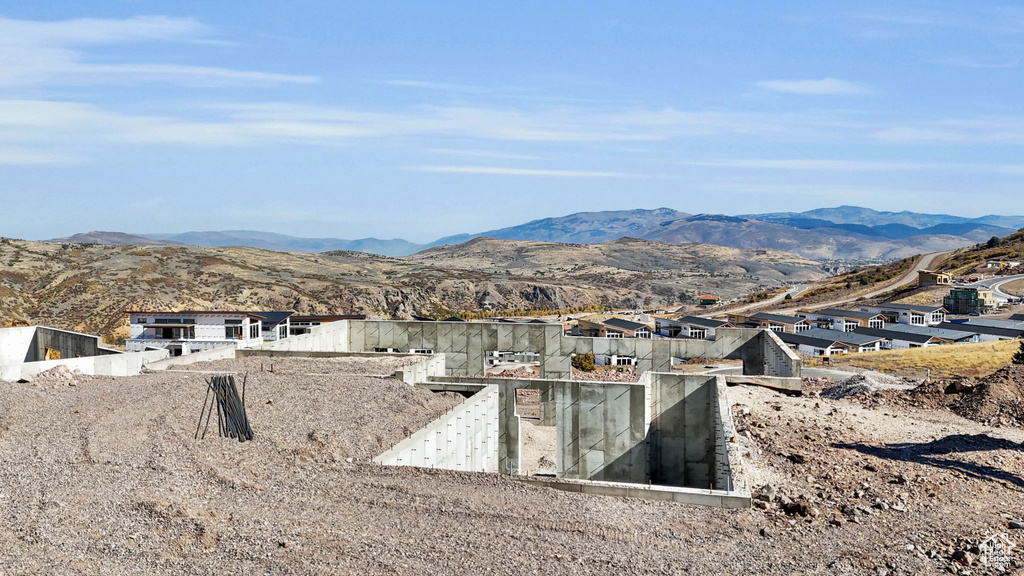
[
  {"x": 1017, "y": 317},
  {"x": 801, "y": 338},
  {"x": 893, "y": 335},
  {"x": 327, "y": 317},
  {"x": 913, "y": 307},
  {"x": 846, "y": 313},
  {"x": 272, "y": 317},
  {"x": 199, "y": 313},
  {"x": 952, "y": 335},
  {"x": 996, "y": 323},
  {"x": 705, "y": 322},
  {"x": 708, "y": 297},
  {"x": 840, "y": 336},
  {"x": 778, "y": 318},
  {"x": 982, "y": 329},
  {"x": 624, "y": 324}
]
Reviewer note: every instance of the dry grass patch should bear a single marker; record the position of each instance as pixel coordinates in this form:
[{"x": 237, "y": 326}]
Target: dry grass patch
[
  {"x": 1016, "y": 288},
  {"x": 974, "y": 360}
]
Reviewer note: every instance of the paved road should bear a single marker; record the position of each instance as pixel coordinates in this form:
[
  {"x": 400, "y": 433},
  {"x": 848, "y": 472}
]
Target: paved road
[
  {"x": 997, "y": 282},
  {"x": 925, "y": 262},
  {"x": 792, "y": 291}
]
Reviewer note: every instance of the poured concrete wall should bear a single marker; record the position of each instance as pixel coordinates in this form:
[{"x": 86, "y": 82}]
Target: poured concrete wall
[
  {"x": 70, "y": 344},
  {"x": 465, "y": 345},
  {"x": 466, "y": 438},
  {"x": 222, "y": 353},
  {"x": 422, "y": 370},
  {"x": 681, "y": 440},
  {"x": 16, "y": 345},
  {"x": 602, "y": 431},
  {"x": 128, "y": 364}
]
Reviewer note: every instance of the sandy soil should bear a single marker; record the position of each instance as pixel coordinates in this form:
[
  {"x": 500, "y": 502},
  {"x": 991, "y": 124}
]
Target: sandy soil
[{"x": 104, "y": 477}]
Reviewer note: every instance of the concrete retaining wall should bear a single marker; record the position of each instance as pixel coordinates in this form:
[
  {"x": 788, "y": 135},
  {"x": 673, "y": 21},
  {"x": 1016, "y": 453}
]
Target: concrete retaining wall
[
  {"x": 681, "y": 442},
  {"x": 129, "y": 364},
  {"x": 16, "y": 345},
  {"x": 329, "y": 337},
  {"x": 423, "y": 370},
  {"x": 222, "y": 353},
  {"x": 465, "y": 345},
  {"x": 464, "y": 439}
]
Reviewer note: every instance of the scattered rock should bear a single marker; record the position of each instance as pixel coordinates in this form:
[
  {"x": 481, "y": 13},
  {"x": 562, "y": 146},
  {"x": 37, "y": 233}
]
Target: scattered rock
[{"x": 797, "y": 458}]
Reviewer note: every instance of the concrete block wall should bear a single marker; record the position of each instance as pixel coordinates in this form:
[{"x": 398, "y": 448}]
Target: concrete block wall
[{"x": 465, "y": 438}]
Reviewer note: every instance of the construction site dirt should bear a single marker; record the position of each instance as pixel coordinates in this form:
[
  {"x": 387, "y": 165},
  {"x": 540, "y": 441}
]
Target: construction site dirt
[{"x": 102, "y": 476}]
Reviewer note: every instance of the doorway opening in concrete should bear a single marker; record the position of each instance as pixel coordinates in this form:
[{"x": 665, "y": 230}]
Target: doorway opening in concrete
[{"x": 538, "y": 453}]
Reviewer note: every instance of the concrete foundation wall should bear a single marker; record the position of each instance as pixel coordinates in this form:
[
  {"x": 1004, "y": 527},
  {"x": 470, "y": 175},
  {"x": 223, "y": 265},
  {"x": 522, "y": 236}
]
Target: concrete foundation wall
[
  {"x": 222, "y": 353},
  {"x": 129, "y": 364},
  {"x": 464, "y": 439},
  {"x": 16, "y": 345},
  {"x": 602, "y": 431},
  {"x": 681, "y": 432},
  {"x": 70, "y": 344},
  {"x": 423, "y": 370},
  {"x": 329, "y": 337}
]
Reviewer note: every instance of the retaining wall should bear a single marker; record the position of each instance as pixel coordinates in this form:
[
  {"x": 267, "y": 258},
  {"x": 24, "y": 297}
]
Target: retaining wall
[
  {"x": 128, "y": 364},
  {"x": 222, "y": 353},
  {"x": 466, "y": 438}
]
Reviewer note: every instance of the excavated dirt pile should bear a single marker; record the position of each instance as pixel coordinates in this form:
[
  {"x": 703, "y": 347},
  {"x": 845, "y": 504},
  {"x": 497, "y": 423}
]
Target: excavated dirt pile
[{"x": 997, "y": 400}]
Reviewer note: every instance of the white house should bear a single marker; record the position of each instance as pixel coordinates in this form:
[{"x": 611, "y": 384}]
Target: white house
[
  {"x": 843, "y": 320},
  {"x": 689, "y": 327},
  {"x": 192, "y": 331},
  {"x": 911, "y": 314}
]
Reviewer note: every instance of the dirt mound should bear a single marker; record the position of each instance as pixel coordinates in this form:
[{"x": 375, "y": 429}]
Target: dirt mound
[
  {"x": 862, "y": 383},
  {"x": 997, "y": 400}
]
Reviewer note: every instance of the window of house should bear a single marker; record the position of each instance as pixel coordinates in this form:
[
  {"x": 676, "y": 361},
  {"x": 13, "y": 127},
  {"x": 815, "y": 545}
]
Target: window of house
[
  {"x": 141, "y": 320},
  {"x": 254, "y": 330},
  {"x": 234, "y": 332}
]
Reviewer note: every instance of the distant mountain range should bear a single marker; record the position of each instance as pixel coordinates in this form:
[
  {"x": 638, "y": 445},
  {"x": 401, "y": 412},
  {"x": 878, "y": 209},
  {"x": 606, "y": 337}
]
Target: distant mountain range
[{"x": 841, "y": 233}]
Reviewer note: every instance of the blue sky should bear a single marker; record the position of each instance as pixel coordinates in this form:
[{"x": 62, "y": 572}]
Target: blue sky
[{"x": 422, "y": 119}]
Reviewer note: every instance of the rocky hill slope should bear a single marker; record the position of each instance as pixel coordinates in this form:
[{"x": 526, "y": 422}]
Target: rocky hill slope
[{"x": 88, "y": 287}]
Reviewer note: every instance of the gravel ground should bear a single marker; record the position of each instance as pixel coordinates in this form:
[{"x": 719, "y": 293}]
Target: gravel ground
[{"x": 104, "y": 477}]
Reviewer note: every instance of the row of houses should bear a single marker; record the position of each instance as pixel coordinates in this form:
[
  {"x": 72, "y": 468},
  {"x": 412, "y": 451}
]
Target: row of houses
[{"x": 191, "y": 331}]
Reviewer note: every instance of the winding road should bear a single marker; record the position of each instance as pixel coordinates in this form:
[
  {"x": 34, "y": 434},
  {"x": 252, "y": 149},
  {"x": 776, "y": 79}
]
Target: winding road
[{"x": 997, "y": 282}]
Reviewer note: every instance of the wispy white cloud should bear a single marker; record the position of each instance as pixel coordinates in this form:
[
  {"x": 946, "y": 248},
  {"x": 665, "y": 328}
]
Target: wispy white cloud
[
  {"x": 823, "y": 87},
  {"x": 429, "y": 85},
  {"x": 54, "y": 53},
  {"x": 27, "y": 157},
  {"x": 825, "y": 165},
  {"x": 503, "y": 171},
  {"x": 1008, "y": 130},
  {"x": 482, "y": 154}
]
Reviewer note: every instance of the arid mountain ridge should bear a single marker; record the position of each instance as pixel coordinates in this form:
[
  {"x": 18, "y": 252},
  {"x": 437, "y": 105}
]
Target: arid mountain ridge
[
  {"x": 845, "y": 233},
  {"x": 88, "y": 287}
]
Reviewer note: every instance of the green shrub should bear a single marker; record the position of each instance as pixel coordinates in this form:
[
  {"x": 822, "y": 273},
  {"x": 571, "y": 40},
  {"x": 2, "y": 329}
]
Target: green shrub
[{"x": 584, "y": 362}]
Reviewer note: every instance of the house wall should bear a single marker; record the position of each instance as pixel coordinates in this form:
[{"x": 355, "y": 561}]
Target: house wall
[{"x": 208, "y": 329}]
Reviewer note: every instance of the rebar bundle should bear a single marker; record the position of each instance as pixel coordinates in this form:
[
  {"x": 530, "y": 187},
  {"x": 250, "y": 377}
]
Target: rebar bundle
[{"x": 232, "y": 421}]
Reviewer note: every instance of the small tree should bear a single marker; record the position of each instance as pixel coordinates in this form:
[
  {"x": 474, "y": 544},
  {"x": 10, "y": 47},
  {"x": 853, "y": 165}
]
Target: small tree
[
  {"x": 584, "y": 362},
  {"x": 1018, "y": 356},
  {"x": 993, "y": 242},
  {"x": 788, "y": 297}
]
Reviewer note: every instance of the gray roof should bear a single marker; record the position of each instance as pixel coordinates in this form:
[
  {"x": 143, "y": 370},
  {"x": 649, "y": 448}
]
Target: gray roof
[
  {"x": 992, "y": 322},
  {"x": 1018, "y": 317},
  {"x": 705, "y": 322},
  {"x": 913, "y": 307},
  {"x": 778, "y": 318},
  {"x": 954, "y": 335},
  {"x": 982, "y": 329},
  {"x": 844, "y": 337},
  {"x": 624, "y": 324},
  {"x": 846, "y": 313},
  {"x": 893, "y": 335},
  {"x": 801, "y": 338}
]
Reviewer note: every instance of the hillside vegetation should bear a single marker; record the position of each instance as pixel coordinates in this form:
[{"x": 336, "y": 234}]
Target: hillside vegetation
[
  {"x": 88, "y": 287},
  {"x": 965, "y": 260},
  {"x": 972, "y": 360}
]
